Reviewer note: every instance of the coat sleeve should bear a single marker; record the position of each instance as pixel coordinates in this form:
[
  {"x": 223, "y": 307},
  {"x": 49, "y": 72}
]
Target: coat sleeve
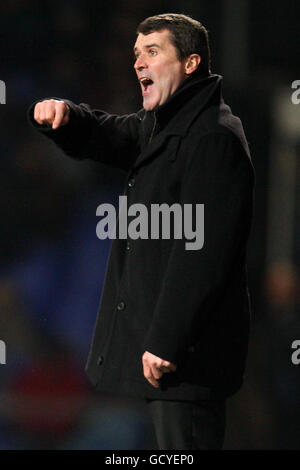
[
  {"x": 95, "y": 134},
  {"x": 219, "y": 175}
]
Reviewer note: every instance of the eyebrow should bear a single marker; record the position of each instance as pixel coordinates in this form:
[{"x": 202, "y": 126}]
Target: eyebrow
[{"x": 147, "y": 47}]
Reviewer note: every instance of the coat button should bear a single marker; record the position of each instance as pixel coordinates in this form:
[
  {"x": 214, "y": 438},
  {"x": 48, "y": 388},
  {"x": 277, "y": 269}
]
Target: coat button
[
  {"x": 128, "y": 245},
  {"x": 100, "y": 360},
  {"x": 121, "y": 305},
  {"x": 131, "y": 182}
]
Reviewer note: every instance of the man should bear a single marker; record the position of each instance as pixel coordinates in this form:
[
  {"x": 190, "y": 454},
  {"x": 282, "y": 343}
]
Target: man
[{"x": 173, "y": 322}]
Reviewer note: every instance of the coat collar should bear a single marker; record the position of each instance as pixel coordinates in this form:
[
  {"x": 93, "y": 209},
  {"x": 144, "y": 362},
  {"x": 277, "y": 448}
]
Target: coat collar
[
  {"x": 176, "y": 115},
  {"x": 190, "y": 100}
]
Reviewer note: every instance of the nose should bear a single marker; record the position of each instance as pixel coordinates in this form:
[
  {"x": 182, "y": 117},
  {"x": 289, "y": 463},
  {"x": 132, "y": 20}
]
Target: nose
[{"x": 140, "y": 63}]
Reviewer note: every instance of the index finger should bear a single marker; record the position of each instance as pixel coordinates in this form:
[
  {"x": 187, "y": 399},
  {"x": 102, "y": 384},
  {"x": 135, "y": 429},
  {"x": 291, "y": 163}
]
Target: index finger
[
  {"x": 59, "y": 115},
  {"x": 169, "y": 365}
]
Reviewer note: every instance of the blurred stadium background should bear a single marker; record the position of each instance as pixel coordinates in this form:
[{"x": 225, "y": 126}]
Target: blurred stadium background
[{"x": 52, "y": 264}]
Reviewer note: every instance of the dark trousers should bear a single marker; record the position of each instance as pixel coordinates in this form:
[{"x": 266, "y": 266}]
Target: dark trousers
[{"x": 188, "y": 425}]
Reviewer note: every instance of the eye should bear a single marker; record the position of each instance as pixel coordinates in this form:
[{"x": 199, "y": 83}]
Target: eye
[{"x": 152, "y": 52}]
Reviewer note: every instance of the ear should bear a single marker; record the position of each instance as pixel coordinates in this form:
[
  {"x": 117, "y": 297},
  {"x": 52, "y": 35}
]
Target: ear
[{"x": 192, "y": 63}]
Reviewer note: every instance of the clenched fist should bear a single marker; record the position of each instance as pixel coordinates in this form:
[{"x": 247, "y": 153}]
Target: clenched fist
[{"x": 52, "y": 112}]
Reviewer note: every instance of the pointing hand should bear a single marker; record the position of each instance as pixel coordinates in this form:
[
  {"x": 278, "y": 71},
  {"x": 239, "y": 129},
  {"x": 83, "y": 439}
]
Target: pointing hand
[{"x": 53, "y": 112}]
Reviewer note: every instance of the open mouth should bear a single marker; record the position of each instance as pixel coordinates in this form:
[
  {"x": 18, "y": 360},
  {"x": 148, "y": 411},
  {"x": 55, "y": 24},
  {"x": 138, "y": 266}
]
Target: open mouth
[{"x": 146, "y": 84}]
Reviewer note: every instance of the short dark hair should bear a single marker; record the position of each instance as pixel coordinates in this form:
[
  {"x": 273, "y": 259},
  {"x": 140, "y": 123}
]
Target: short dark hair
[{"x": 188, "y": 36}]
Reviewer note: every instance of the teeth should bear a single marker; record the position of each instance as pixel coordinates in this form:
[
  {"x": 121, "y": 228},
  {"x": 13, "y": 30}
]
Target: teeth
[{"x": 146, "y": 80}]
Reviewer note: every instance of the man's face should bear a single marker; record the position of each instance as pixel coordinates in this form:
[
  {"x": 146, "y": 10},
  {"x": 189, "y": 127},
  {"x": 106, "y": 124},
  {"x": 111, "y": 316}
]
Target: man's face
[{"x": 157, "y": 67}]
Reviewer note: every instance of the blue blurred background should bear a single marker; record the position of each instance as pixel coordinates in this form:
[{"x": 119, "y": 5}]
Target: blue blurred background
[{"x": 52, "y": 264}]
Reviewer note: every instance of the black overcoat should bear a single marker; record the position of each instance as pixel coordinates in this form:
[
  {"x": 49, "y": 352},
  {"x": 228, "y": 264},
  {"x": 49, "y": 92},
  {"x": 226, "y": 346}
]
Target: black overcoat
[{"x": 190, "y": 307}]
